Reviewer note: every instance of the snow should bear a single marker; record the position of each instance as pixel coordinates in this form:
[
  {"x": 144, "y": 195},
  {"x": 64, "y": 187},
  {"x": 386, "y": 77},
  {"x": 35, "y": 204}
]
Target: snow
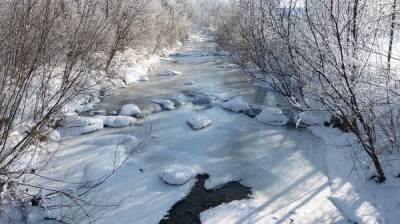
[
  {"x": 293, "y": 174},
  {"x": 84, "y": 108},
  {"x": 118, "y": 139},
  {"x": 309, "y": 118},
  {"x": 166, "y": 104},
  {"x": 144, "y": 78},
  {"x": 117, "y": 121},
  {"x": 189, "y": 83},
  {"x": 199, "y": 122},
  {"x": 177, "y": 174},
  {"x": 170, "y": 72},
  {"x": 272, "y": 116},
  {"x": 350, "y": 193},
  {"x": 71, "y": 122},
  {"x": 130, "y": 110},
  {"x": 54, "y": 135},
  {"x": 80, "y": 125},
  {"x": 285, "y": 173},
  {"x": 237, "y": 104}
]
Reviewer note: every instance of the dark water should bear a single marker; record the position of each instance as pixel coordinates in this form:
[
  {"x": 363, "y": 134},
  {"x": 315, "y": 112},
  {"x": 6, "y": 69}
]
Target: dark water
[{"x": 200, "y": 199}]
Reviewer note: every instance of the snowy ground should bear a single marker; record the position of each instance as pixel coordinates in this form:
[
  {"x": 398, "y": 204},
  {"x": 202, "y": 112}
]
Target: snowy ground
[{"x": 285, "y": 167}]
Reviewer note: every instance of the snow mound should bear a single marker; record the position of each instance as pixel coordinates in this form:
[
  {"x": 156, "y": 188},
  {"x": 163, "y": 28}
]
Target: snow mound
[
  {"x": 236, "y": 105},
  {"x": 118, "y": 139},
  {"x": 170, "y": 72},
  {"x": 180, "y": 99},
  {"x": 75, "y": 121},
  {"x": 131, "y": 76},
  {"x": 309, "y": 118},
  {"x": 151, "y": 108},
  {"x": 166, "y": 104},
  {"x": 117, "y": 121},
  {"x": 54, "y": 135},
  {"x": 272, "y": 115},
  {"x": 130, "y": 110},
  {"x": 199, "y": 122},
  {"x": 82, "y": 125},
  {"x": 189, "y": 83},
  {"x": 84, "y": 108},
  {"x": 177, "y": 174},
  {"x": 144, "y": 78}
]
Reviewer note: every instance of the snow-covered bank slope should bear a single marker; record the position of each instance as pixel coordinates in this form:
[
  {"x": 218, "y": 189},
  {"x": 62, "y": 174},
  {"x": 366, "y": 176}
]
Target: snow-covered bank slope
[
  {"x": 361, "y": 199},
  {"x": 128, "y": 67}
]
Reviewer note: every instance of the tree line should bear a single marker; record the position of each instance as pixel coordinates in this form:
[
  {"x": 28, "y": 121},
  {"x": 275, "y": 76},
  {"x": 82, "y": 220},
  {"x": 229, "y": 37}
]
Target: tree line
[
  {"x": 334, "y": 57},
  {"x": 51, "y": 51}
]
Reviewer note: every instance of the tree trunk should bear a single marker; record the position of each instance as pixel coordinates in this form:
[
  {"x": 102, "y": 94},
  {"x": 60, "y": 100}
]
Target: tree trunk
[
  {"x": 391, "y": 35},
  {"x": 381, "y": 174},
  {"x": 110, "y": 58}
]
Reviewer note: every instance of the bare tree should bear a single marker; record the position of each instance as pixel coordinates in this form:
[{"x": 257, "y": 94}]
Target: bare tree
[{"x": 323, "y": 55}]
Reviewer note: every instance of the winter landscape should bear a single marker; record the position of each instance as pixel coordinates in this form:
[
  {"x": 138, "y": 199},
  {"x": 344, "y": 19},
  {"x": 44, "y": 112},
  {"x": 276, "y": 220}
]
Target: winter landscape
[{"x": 199, "y": 111}]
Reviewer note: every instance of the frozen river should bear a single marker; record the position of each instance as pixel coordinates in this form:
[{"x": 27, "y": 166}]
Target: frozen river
[{"x": 284, "y": 167}]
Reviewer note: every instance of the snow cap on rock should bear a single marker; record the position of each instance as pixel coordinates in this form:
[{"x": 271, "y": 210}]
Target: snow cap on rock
[
  {"x": 130, "y": 110},
  {"x": 237, "y": 105},
  {"x": 199, "y": 122},
  {"x": 177, "y": 174},
  {"x": 272, "y": 116}
]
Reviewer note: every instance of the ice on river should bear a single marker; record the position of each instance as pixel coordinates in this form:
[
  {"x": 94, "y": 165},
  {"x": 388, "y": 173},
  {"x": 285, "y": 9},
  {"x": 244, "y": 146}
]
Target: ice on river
[
  {"x": 170, "y": 72},
  {"x": 286, "y": 174}
]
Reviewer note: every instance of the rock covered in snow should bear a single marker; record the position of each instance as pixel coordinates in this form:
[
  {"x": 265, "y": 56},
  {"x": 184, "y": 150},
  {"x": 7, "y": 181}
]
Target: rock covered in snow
[
  {"x": 84, "y": 108},
  {"x": 54, "y": 135},
  {"x": 189, "y": 83},
  {"x": 237, "y": 105},
  {"x": 199, "y": 122},
  {"x": 202, "y": 100},
  {"x": 82, "y": 125},
  {"x": 170, "y": 72},
  {"x": 76, "y": 121},
  {"x": 177, "y": 174},
  {"x": 253, "y": 112},
  {"x": 166, "y": 104},
  {"x": 273, "y": 116},
  {"x": 131, "y": 77},
  {"x": 117, "y": 121},
  {"x": 309, "y": 118},
  {"x": 130, "y": 110},
  {"x": 151, "y": 108},
  {"x": 179, "y": 99},
  {"x": 144, "y": 78}
]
